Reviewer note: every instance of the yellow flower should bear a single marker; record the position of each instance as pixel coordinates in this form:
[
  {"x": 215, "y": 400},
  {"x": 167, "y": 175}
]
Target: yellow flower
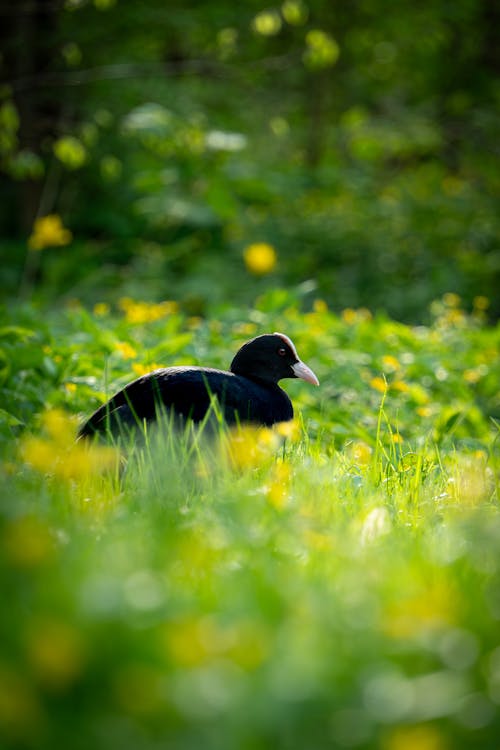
[
  {"x": 379, "y": 384},
  {"x": 424, "y": 411},
  {"x": 320, "y": 306},
  {"x": 126, "y": 350},
  {"x": 423, "y": 737},
  {"x": 248, "y": 446},
  {"x": 146, "y": 312},
  {"x": 101, "y": 309},
  {"x": 451, "y": 299},
  {"x": 260, "y": 258},
  {"x": 400, "y": 385},
  {"x": 48, "y": 231},
  {"x": 397, "y": 438},
  {"x": 454, "y": 317},
  {"x": 57, "y": 453},
  {"x": 290, "y": 430},
  {"x": 360, "y": 315},
  {"x": 58, "y": 426},
  {"x": 141, "y": 369},
  {"x": 473, "y": 375},
  {"x": 267, "y": 23},
  {"x": 390, "y": 363},
  {"x": 245, "y": 329},
  {"x": 194, "y": 641},
  {"x": 481, "y": 303},
  {"x": 349, "y": 316},
  {"x": 422, "y": 607}
]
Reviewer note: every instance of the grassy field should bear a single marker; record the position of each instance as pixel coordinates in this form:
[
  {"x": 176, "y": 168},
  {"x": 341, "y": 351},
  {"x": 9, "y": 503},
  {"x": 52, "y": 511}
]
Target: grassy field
[{"x": 331, "y": 583}]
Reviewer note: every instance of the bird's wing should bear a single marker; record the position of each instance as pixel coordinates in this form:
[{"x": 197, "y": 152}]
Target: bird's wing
[{"x": 183, "y": 390}]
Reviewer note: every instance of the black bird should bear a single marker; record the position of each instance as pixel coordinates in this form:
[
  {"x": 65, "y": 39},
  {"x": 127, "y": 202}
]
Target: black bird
[{"x": 248, "y": 392}]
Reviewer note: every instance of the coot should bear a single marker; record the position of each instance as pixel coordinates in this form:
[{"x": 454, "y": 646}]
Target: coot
[{"x": 248, "y": 392}]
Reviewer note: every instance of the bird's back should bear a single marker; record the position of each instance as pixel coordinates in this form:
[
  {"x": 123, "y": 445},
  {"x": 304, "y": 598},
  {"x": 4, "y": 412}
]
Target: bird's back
[{"x": 188, "y": 393}]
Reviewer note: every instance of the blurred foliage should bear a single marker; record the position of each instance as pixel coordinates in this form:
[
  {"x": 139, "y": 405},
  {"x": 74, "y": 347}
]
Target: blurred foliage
[{"x": 357, "y": 141}]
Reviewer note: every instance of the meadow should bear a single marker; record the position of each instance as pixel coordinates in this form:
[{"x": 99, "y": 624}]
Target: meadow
[
  {"x": 331, "y": 583},
  {"x": 176, "y": 178}
]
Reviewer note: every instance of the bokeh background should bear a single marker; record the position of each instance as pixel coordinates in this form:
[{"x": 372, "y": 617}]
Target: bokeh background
[{"x": 351, "y": 146}]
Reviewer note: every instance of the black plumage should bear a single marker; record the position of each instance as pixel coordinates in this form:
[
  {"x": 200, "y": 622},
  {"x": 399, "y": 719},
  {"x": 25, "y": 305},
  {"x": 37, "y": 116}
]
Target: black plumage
[{"x": 248, "y": 392}]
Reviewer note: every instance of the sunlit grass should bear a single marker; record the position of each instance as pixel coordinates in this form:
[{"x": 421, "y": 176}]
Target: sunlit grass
[{"x": 330, "y": 582}]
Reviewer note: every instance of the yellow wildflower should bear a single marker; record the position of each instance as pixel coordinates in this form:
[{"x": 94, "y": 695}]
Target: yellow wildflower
[
  {"x": 101, "y": 309},
  {"x": 260, "y": 258},
  {"x": 146, "y": 312},
  {"x": 58, "y": 426},
  {"x": 422, "y": 737},
  {"x": 390, "y": 363},
  {"x": 481, "y": 303},
  {"x": 57, "y": 453},
  {"x": 400, "y": 385},
  {"x": 290, "y": 430},
  {"x": 364, "y": 314},
  {"x": 48, "y": 231},
  {"x": 194, "y": 641},
  {"x": 320, "y": 306},
  {"x": 454, "y": 317},
  {"x": 472, "y": 376},
  {"x": 423, "y": 606},
  {"x": 380, "y": 384},
  {"x": 451, "y": 299},
  {"x": 141, "y": 369},
  {"x": 126, "y": 350},
  {"x": 248, "y": 446},
  {"x": 424, "y": 411},
  {"x": 267, "y": 23},
  {"x": 397, "y": 438},
  {"x": 349, "y": 316},
  {"x": 245, "y": 329}
]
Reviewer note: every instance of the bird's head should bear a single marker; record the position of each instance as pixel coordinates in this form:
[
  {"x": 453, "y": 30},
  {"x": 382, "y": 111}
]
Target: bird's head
[{"x": 270, "y": 358}]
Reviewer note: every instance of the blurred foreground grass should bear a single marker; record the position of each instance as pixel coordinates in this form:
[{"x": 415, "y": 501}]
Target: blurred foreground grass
[{"x": 331, "y": 583}]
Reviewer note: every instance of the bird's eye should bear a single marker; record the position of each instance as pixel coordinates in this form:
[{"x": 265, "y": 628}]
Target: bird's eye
[{"x": 282, "y": 352}]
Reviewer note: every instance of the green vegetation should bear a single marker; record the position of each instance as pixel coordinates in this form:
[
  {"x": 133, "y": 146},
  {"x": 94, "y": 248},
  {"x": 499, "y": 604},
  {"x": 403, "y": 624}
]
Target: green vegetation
[
  {"x": 175, "y": 178},
  {"x": 330, "y": 583},
  {"x": 359, "y": 141}
]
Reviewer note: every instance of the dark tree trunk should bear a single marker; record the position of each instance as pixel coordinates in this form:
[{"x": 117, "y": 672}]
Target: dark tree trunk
[{"x": 27, "y": 41}]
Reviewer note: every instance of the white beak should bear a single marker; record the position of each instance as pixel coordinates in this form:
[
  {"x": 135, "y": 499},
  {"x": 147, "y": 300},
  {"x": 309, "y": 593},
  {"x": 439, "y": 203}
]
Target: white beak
[{"x": 300, "y": 370}]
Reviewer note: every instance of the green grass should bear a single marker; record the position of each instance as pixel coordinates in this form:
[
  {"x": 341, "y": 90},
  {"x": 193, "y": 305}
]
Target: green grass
[{"x": 337, "y": 587}]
